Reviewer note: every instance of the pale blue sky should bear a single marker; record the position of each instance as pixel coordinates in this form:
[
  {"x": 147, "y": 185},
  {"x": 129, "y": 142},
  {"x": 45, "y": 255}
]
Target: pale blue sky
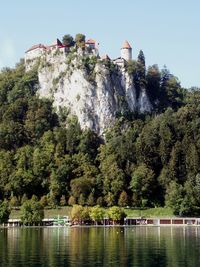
[{"x": 168, "y": 31}]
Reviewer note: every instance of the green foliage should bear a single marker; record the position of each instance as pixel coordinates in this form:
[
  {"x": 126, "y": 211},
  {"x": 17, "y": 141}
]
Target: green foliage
[
  {"x": 80, "y": 40},
  {"x": 31, "y": 212},
  {"x": 52, "y": 201},
  {"x": 63, "y": 200},
  {"x": 68, "y": 40},
  {"x": 71, "y": 201},
  {"x": 77, "y": 213},
  {"x": 145, "y": 160},
  {"x": 131, "y": 67},
  {"x": 123, "y": 199},
  {"x": 81, "y": 186},
  {"x": 24, "y": 199},
  {"x": 142, "y": 185},
  {"x": 89, "y": 63},
  {"x": 4, "y": 211},
  {"x": 91, "y": 200},
  {"x": 14, "y": 202},
  {"x": 174, "y": 196},
  {"x": 97, "y": 213},
  {"x": 153, "y": 78},
  {"x": 112, "y": 176},
  {"x": 43, "y": 201},
  {"x": 116, "y": 214}
]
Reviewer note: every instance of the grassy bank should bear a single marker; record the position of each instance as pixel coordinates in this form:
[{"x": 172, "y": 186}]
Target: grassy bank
[
  {"x": 150, "y": 213},
  {"x": 48, "y": 213},
  {"x": 65, "y": 211}
]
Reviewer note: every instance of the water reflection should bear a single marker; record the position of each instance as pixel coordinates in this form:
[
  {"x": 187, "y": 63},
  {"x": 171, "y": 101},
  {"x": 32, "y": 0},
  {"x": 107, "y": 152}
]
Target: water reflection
[{"x": 111, "y": 246}]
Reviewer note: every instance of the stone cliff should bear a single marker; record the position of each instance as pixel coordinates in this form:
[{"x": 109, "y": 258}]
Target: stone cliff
[{"x": 94, "y": 90}]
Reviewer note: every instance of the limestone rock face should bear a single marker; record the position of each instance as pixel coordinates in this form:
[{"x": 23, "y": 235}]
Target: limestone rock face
[{"x": 94, "y": 92}]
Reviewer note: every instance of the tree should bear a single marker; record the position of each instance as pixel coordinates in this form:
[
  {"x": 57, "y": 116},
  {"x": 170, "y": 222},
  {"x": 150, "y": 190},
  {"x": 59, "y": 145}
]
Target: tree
[
  {"x": 109, "y": 199},
  {"x": 142, "y": 185},
  {"x": 171, "y": 92},
  {"x": 32, "y": 212},
  {"x": 80, "y": 40},
  {"x": 100, "y": 201},
  {"x": 6, "y": 169},
  {"x": 71, "y": 201},
  {"x": 14, "y": 202},
  {"x": 141, "y": 69},
  {"x": 97, "y": 214},
  {"x": 76, "y": 214},
  {"x": 44, "y": 201},
  {"x": 113, "y": 178},
  {"x": 174, "y": 197},
  {"x": 116, "y": 214},
  {"x": 132, "y": 67},
  {"x": 68, "y": 40},
  {"x": 153, "y": 78},
  {"x": 52, "y": 201},
  {"x": 24, "y": 199},
  {"x": 177, "y": 166},
  {"x": 81, "y": 200},
  {"x": 123, "y": 199},
  {"x": 63, "y": 200},
  {"x": 91, "y": 200},
  {"x": 4, "y": 212},
  {"x": 81, "y": 186},
  {"x": 141, "y": 58}
]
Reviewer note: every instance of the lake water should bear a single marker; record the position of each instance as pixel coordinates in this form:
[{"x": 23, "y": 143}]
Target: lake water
[{"x": 110, "y": 246}]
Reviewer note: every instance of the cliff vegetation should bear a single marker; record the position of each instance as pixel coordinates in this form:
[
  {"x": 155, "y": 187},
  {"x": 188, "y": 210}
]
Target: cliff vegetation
[{"x": 144, "y": 160}]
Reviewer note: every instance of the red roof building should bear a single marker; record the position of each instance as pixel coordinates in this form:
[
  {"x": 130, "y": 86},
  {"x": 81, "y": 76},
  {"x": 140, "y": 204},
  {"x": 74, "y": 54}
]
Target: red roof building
[
  {"x": 126, "y": 45},
  {"x": 56, "y": 44},
  {"x": 90, "y": 41},
  {"x": 36, "y": 47}
]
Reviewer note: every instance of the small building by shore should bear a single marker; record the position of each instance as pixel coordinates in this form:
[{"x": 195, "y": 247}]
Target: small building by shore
[{"x": 128, "y": 221}]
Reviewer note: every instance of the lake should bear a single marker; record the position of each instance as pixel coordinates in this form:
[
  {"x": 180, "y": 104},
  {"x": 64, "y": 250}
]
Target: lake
[{"x": 109, "y": 246}]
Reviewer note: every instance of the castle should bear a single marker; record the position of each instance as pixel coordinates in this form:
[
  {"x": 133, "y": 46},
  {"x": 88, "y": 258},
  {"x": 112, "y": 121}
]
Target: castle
[
  {"x": 91, "y": 47},
  {"x": 95, "y": 89}
]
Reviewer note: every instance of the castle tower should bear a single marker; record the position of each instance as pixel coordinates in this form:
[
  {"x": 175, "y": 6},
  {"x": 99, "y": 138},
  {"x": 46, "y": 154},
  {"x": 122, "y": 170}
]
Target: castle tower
[{"x": 126, "y": 51}]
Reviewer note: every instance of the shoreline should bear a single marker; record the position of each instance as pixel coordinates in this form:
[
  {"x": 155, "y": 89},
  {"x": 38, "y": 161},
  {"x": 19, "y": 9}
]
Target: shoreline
[
  {"x": 101, "y": 226},
  {"x": 106, "y": 222}
]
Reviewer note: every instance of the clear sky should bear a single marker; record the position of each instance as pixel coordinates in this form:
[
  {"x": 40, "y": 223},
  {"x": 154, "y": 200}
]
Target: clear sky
[{"x": 167, "y": 31}]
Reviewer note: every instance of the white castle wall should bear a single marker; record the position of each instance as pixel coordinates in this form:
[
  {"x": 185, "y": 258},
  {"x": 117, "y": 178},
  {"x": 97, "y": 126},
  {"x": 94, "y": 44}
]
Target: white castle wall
[
  {"x": 35, "y": 53},
  {"x": 126, "y": 53}
]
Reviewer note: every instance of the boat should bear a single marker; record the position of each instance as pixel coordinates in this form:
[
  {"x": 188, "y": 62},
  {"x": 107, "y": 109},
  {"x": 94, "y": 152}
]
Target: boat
[{"x": 61, "y": 221}]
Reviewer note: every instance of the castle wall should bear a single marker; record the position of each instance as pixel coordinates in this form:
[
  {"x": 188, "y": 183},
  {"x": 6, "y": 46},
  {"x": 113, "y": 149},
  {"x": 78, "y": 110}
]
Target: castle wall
[
  {"x": 35, "y": 53},
  {"x": 126, "y": 53}
]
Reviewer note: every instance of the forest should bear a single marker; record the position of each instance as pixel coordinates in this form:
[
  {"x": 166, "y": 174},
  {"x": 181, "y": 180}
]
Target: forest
[{"x": 145, "y": 160}]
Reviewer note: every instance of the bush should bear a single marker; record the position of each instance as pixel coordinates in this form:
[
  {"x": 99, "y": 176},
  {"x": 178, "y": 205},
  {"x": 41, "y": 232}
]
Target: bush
[
  {"x": 97, "y": 214},
  {"x": 116, "y": 214},
  {"x": 32, "y": 212}
]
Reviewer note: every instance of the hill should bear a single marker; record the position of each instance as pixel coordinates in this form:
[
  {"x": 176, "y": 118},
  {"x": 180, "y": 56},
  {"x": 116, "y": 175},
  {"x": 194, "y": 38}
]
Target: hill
[{"x": 148, "y": 159}]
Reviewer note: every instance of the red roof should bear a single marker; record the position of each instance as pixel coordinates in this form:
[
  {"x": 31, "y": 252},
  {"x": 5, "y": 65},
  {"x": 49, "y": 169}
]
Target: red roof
[
  {"x": 105, "y": 57},
  {"x": 57, "y": 43},
  {"x": 36, "y": 46},
  {"x": 90, "y": 41},
  {"x": 126, "y": 45}
]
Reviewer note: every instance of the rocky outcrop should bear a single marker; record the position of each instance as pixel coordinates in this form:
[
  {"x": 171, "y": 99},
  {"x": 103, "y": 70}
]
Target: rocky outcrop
[{"x": 92, "y": 89}]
